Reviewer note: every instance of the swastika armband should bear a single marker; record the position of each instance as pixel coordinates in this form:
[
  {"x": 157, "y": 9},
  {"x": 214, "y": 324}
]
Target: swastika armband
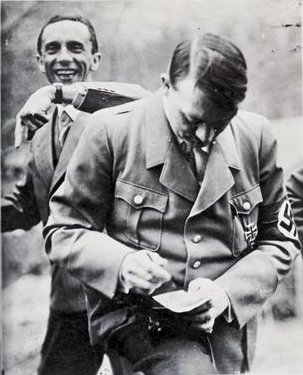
[{"x": 286, "y": 224}]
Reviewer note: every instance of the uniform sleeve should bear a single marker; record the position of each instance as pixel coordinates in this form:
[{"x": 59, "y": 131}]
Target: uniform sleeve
[
  {"x": 99, "y": 95},
  {"x": 19, "y": 209},
  {"x": 79, "y": 208},
  {"x": 295, "y": 194},
  {"x": 255, "y": 276}
]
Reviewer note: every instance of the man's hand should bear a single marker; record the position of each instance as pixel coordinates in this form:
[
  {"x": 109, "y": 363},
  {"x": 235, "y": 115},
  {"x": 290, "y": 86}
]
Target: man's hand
[
  {"x": 203, "y": 317},
  {"x": 33, "y": 114},
  {"x": 143, "y": 272}
]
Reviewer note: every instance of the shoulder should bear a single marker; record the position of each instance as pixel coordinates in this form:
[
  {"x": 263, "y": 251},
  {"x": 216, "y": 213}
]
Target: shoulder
[
  {"x": 119, "y": 119},
  {"x": 295, "y": 181},
  {"x": 250, "y": 120},
  {"x": 252, "y": 125}
]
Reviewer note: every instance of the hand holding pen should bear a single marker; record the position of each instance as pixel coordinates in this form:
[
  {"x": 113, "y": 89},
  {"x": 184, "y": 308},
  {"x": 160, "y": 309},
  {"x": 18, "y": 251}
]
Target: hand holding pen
[{"x": 143, "y": 272}]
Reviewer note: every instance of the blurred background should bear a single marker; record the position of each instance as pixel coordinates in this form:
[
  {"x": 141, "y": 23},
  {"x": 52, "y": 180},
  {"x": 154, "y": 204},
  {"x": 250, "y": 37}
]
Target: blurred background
[{"x": 137, "y": 39}]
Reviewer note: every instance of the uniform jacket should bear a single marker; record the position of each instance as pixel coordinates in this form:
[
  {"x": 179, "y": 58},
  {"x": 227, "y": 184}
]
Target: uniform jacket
[
  {"x": 295, "y": 193},
  {"x": 29, "y": 203},
  {"x": 129, "y": 176}
]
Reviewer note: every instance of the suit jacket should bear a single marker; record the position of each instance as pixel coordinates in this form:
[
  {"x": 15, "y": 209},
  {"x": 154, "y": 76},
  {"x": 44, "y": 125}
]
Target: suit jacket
[
  {"x": 28, "y": 205},
  {"x": 29, "y": 202},
  {"x": 129, "y": 175},
  {"x": 295, "y": 193}
]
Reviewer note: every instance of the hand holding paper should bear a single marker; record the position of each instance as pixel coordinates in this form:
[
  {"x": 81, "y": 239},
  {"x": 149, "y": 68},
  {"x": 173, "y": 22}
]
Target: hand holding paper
[{"x": 203, "y": 303}]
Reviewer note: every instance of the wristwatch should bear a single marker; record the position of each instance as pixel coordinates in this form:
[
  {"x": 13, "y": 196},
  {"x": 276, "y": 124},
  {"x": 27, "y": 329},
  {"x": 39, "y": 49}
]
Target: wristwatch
[{"x": 58, "y": 93}]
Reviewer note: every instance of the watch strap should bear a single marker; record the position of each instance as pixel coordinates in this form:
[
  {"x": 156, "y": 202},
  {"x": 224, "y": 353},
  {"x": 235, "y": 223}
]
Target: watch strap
[{"x": 58, "y": 93}]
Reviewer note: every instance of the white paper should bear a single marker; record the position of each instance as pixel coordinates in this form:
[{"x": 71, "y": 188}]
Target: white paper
[{"x": 181, "y": 301}]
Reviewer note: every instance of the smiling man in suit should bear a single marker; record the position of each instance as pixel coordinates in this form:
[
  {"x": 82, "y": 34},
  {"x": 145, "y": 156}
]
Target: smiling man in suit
[
  {"x": 67, "y": 54},
  {"x": 188, "y": 189}
]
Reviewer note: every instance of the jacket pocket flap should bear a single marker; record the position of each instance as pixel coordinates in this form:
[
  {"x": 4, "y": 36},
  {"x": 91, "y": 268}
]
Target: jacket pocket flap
[
  {"x": 140, "y": 197},
  {"x": 245, "y": 202}
]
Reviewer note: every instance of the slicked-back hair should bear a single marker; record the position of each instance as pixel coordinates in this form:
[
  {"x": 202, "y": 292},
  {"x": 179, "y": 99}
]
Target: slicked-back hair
[
  {"x": 217, "y": 65},
  {"x": 74, "y": 18}
]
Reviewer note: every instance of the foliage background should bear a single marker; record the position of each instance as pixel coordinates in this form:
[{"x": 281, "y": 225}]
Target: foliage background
[{"x": 137, "y": 39}]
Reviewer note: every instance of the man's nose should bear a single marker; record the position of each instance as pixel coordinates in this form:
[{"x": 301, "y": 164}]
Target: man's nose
[
  {"x": 64, "y": 56},
  {"x": 202, "y": 131}
]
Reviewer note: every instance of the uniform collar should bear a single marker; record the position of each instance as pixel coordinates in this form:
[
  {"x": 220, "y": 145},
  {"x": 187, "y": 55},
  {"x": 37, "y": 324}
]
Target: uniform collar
[
  {"x": 158, "y": 132},
  {"x": 227, "y": 143},
  {"x": 159, "y": 135}
]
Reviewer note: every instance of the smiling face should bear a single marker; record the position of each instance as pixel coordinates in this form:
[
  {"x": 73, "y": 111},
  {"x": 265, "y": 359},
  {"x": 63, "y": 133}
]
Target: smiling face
[
  {"x": 195, "y": 116},
  {"x": 66, "y": 52}
]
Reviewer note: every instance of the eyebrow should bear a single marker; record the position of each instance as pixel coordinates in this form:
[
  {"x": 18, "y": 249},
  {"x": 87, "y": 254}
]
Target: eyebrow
[{"x": 69, "y": 43}]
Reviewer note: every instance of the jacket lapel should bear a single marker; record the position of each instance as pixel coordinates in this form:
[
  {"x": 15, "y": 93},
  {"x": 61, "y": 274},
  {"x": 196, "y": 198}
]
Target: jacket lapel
[
  {"x": 162, "y": 148},
  {"x": 176, "y": 174},
  {"x": 69, "y": 146},
  {"x": 218, "y": 178},
  {"x": 43, "y": 149}
]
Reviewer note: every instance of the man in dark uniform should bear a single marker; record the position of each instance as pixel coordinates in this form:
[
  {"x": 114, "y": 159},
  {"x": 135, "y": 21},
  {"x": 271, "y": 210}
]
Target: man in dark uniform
[
  {"x": 67, "y": 54},
  {"x": 191, "y": 197},
  {"x": 295, "y": 193}
]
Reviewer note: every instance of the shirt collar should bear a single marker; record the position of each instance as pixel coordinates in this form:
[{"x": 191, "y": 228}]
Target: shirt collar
[{"x": 72, "y": 112}]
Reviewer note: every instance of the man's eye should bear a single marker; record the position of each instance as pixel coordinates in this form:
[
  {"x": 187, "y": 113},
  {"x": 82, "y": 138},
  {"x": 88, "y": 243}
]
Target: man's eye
[
  {"x": 51, "y": 48},
  {"x": 75, "y": 47}
]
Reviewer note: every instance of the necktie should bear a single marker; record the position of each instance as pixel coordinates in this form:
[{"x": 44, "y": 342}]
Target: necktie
[
  {"x": 64, "y": 126},
  {"x": 61, "y": 129}
]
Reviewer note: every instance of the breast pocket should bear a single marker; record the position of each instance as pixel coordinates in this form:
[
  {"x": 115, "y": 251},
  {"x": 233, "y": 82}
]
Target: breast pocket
[
  {"x": 139, "y": 214},
  {"x": 245, "y": 208}
]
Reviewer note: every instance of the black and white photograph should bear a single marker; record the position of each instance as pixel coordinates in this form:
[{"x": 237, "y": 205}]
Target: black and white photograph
[{"x": 151, "y": 187}]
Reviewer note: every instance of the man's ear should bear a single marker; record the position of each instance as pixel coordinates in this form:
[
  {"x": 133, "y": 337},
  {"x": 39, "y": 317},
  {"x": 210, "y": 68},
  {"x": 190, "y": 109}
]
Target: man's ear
[
  {"x": 96, "y": 60},
  {"x": 165, "y": 82},
  {"x": 40, "y": 63}
]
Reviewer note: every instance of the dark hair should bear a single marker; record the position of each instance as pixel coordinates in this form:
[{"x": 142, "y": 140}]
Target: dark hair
[
  {"x": 217, "y": 65},
  {"x": 75, "y": 18}
]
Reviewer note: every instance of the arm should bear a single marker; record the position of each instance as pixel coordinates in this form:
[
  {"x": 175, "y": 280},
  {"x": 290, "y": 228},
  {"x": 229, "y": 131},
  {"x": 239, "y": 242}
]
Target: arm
[
  {"x": 295, "y": 194},
  {"x": 85, "y": 96},
  {"x": 254, "y": 277},
  {"x": 79, "y": 212},
  {"x": 19, "y": 209},
  {"x": 79, "y": 208}
]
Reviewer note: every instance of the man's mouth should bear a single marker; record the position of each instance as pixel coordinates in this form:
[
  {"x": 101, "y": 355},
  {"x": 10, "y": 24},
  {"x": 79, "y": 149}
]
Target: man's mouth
[{"x": 65, "y": 75}]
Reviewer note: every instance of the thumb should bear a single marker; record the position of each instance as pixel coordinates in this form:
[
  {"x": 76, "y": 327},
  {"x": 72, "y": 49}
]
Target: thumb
[{"x": 20, "y": 131}]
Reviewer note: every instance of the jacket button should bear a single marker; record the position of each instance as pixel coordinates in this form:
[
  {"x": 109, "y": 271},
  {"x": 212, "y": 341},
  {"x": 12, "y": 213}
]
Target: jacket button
[
  {"x": 197, "y": 264},
  {"x": 246, "y": 206},
  {"x": 197, "y": 238},
  {"x": 138, "y": 199}
]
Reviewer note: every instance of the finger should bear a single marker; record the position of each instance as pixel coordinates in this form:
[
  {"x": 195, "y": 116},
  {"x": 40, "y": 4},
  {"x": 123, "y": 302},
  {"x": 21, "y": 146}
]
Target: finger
[
  {"x": 158, "y": 274},
  {"x": 205, "y": 327},
  {"x": 149, "y": 275},
  {"x": 33, "y": 121},
  {"x": 199, "y": 318},
  {"x": 42, "y": 116},
  {"x": 156, "y": 258},
  {"x": 139, "y": 285},
  {"x": 153, "y": 271},
  {"x": 20, "y": 132}
]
